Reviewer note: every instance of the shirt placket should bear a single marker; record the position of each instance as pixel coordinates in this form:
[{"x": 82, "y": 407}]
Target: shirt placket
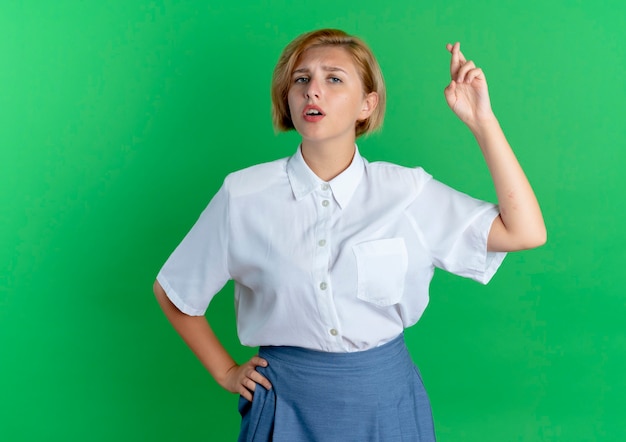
[{"x": 324, "y": 290}]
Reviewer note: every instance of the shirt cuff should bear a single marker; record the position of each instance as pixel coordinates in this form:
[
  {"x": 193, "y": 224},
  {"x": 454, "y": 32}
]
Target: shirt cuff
[
  {"x": 486, "y": 263},
  {"x": 177, "y": 300}
]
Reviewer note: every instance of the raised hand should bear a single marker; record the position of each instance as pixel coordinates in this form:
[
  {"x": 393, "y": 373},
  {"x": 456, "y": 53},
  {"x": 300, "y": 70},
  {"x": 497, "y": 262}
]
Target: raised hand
[{"x": 467, "y": 94}]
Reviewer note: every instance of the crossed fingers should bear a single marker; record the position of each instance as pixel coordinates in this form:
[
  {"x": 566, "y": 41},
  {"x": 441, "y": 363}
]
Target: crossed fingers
[{"x": 461, "y": 70}]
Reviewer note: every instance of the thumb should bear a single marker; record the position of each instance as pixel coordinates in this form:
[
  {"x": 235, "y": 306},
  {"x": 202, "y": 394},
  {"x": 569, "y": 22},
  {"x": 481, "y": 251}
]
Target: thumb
[{"x": 449, "y": 92}]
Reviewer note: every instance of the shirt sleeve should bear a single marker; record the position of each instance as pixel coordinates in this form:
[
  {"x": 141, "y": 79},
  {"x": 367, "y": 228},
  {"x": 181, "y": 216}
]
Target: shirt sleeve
[
  {"x": 198, "y": 267},
  {"x": 454, "y": 227}
]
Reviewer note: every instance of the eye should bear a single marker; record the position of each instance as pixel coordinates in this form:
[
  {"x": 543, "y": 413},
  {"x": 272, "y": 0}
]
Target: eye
[
  {"x": 301, "y": 80},
  {"x": 334, "y": 80}
]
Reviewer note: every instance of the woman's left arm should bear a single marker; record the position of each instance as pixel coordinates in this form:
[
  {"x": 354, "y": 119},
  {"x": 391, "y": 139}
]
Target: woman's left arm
[{"x": 520, "y": 224}]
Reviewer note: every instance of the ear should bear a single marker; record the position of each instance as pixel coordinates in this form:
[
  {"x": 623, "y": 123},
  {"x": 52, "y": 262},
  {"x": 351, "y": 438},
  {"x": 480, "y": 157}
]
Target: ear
[{"x": 369, "y": 105}]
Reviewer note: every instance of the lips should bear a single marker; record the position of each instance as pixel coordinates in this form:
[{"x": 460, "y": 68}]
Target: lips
[{"x": 312, "y": 113}]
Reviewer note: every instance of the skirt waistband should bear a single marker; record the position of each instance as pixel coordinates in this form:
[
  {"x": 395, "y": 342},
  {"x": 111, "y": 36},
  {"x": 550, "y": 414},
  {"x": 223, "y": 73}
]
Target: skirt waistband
[{"x": 320, "y": 359}]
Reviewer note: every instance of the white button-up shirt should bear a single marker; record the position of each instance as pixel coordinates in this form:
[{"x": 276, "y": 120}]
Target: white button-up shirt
[{"x": 336, "y": 266}]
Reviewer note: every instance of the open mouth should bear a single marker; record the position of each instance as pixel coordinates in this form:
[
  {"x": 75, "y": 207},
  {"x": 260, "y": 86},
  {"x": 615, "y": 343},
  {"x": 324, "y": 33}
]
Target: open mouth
[{"x": 313, "y": 113}]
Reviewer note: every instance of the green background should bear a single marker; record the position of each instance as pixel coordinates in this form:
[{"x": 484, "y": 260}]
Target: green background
[{"x": 119, "y": 120}]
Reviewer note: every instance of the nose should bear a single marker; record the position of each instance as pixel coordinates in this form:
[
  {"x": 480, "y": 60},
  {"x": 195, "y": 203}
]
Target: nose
[{"x": 313, "y": 89}]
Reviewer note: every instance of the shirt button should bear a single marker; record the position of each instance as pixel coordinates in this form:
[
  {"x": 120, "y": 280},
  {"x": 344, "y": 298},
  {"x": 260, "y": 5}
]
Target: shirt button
[
  {"x": 322, "y": 242},
  {"x": 325, "y": 203},
  {"x": 323, "y": 286},
  {"x": 325, "y": 186},
  {"x": 334, "y": 332}
]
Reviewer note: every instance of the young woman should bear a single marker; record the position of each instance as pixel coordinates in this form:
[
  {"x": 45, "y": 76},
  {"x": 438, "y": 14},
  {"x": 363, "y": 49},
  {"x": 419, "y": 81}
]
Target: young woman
[{"x": 332, "y": 255}]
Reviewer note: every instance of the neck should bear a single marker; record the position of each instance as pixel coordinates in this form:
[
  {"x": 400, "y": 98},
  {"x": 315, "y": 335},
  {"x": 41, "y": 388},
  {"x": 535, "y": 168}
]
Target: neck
[{"x": 327, "y": 160}]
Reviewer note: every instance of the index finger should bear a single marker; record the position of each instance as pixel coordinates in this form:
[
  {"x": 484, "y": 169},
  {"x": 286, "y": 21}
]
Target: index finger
[
  {"x": 258, "y": 361},
  {"x": 457, "y": 59}
]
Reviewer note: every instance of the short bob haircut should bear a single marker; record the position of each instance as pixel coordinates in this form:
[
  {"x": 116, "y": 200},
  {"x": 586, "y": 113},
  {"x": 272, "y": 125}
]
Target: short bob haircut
[{"x": 364, "y": 60}]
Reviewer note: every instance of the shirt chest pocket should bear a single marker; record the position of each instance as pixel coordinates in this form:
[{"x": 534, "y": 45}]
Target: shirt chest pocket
[{"x": 381, "y": 270}]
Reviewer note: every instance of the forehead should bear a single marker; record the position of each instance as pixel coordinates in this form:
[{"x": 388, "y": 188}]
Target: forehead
[{"x": 326, "y": 56}]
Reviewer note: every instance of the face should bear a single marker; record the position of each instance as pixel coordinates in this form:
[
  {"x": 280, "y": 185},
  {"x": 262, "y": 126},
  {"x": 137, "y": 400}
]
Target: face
[{"x": 326, "y": 96}]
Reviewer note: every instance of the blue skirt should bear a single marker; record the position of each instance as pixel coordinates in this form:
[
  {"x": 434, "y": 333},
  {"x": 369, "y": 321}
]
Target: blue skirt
[{"x": 373, "y": 395}]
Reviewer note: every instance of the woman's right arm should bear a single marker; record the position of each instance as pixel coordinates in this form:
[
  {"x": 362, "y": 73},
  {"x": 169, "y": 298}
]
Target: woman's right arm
[{"x": 198, "y": 335}]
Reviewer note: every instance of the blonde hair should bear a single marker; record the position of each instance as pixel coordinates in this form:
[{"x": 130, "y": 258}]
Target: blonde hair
[{"x": 364, "y": 60}]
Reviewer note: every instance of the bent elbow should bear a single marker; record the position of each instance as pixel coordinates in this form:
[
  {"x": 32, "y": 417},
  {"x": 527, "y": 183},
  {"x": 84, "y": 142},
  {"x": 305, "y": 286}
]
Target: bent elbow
[
  {"x": 503, "y": 239},
  {"x": 537, "y": 239},
  {"x": 541, "y": 236}
]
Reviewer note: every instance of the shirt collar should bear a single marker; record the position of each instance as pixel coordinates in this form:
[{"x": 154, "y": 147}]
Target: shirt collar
[{"x": 304, "y": 181}]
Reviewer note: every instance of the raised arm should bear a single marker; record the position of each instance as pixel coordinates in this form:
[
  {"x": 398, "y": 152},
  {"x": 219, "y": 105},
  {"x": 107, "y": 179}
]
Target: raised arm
[
  {"x": 520, "y": 224},
  {"x": 198, "y": 335}
]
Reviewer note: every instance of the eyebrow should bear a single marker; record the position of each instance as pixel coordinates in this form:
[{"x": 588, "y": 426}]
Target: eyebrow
[{"x": 325, "y": 68}]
